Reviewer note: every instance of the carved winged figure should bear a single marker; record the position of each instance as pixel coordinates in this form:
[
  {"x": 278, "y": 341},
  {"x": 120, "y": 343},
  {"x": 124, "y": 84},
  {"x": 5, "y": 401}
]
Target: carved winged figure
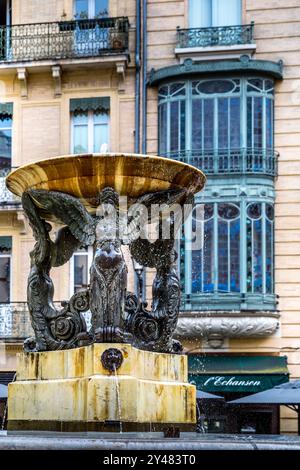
[{"x": 106, "y": 296}]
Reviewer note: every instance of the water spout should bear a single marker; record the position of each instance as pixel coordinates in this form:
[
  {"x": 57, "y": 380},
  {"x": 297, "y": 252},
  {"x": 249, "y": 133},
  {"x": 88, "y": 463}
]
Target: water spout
[{"x": 118, "y": 398}]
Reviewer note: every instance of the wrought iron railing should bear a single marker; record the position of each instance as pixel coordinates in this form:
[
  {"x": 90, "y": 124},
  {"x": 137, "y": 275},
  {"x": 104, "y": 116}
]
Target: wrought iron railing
[
  {"x": 15, "y": 320},
  {"x": 6, "y": 197},
  {"x": 63, "y": 40},
  {"x": 233, "y": 161},
  {"x": 215, "y": 36}
]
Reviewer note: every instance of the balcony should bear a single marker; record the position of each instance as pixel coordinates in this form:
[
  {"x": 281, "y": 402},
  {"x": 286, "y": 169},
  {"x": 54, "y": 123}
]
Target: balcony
[
  {"x": 7, "y": 199},
  {"x": 65, "y": 43},
  {"x": 221, "y": 41},
  {"x": 63, "y": 40},
  {"x": 14, "y": 321},
  {"x": 234, "y": 161}
]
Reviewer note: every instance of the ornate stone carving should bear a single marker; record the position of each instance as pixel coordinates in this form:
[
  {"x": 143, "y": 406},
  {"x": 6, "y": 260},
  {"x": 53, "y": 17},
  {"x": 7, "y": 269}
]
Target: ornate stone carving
[{"x": 226, "y": 326}]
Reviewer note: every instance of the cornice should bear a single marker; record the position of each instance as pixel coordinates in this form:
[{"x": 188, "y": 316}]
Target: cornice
[{"x": 243, "y": 65}]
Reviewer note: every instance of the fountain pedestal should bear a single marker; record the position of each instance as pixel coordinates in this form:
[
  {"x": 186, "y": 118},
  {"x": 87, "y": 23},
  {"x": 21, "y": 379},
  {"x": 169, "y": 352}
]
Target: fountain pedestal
[{"x": 72, "y": 390}]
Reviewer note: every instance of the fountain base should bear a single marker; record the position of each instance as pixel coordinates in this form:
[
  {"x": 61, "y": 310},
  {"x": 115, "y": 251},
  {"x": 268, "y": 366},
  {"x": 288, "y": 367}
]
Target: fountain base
[{"x": 93, "y": 388}]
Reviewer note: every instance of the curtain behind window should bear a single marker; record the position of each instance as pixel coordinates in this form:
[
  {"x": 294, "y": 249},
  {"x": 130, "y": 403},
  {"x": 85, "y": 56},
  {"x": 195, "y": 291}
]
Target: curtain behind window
[{"x": 206, "y": 13}]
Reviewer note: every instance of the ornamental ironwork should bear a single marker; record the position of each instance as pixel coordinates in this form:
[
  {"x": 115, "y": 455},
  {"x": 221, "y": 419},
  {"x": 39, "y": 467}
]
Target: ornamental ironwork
[
  {"x": 64, "y": 39},
  {"x": 233, "y": 161},
  {"x": 215, "y": 36}
]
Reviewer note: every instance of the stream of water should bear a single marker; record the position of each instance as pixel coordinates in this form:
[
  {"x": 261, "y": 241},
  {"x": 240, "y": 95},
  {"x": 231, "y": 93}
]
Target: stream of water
[{"x": 118, "y": 399}]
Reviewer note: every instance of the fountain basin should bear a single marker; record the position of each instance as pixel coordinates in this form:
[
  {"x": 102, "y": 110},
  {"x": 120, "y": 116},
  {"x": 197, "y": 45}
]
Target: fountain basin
[
  {"x": 84, "y": 176},
  {"x": 71, "y": 390}
]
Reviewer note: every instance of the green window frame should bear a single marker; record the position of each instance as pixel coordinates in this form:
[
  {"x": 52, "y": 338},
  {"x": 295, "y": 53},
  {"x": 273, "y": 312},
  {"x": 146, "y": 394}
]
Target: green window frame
[
  {"x": 219, "y": 125},
  {"x": 233, "y": 269}
]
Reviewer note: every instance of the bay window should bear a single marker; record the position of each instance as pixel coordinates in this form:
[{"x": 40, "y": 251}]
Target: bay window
[
  {"x": 223, "y": 125},
  {"x": 236, "y": 257}
]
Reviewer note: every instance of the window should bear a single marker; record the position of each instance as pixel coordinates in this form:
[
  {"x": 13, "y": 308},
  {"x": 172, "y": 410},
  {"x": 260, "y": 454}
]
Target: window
[
  {"x": 235, "y": 234},
  {"x": 5, "y": 265},
  {"x": 91, "y": 9},
  {"x": 223, "y": 125},
  {"x": 89, "y": 125},
  {"x": 206, "y": 13},
  {"x": 80, "y": 268},
  {"x": 5, "y": 142}
]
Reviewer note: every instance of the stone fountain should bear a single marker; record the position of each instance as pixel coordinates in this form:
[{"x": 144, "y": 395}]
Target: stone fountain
[{"x": 126, "y": 368}]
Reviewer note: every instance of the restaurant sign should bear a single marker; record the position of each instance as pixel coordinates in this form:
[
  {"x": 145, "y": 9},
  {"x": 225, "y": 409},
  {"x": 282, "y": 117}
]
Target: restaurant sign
[{"x": 236, "y": 383}]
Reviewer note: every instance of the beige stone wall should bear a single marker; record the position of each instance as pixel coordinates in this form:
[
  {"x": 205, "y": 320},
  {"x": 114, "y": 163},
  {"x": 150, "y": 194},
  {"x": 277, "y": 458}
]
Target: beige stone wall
[{"x": 277, "y": 31}]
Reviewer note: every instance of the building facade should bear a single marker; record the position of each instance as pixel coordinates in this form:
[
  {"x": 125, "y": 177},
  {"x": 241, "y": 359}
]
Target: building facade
[{"x": 213, "y": 83}]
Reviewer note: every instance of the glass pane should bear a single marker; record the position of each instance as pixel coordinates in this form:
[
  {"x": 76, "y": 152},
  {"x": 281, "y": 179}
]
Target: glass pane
[
  {"x": 5, "y": 144},
  {"x": 177, "y": 89},
  {"x": 4, "y": 279},
  {"x": 100, "y": 118},
  {"x": 228, "y": 248},
  {"x": 80, "y": 272},
  {"x": 235, "y": 256},
  {"x": 200, "y": 13},
  {"x": 226, "y": 13},
  {"x": 255, "y": 84},
  {"x": 182, "y": 125},
  {"x": 249, "y": 123},
  {"x": 101, "y": 8},
  {"x": 81, "y": 8},
  {"x": 235, "y": 122},
  {"x": 223, "y": 229},
  {"x": 258, "y": 122},
  {"x": 163, "y": 129},
  {"x": 228, "y": 211},
  {"x": 197, "y": 267},
  {"x": 208, "y": 248},
  {"x": 223, "y": 120},
  {"x": 269, "y": 256},
  {"x": 163, "y": 91},
  {"x": 269, "y": 122},
  {"x": 254, "y": 211},
  {"x": 80, "y": 137},
  {"x": 270, "y": 211},
  {"x": 257, "y": 256},
  {"x": 174, "y": 126},
  {"x": 197, "y": 124},
  {"x": 100, "y": 138},
  {"x": 216, "y": 86},
  {"x": 209, "y": 124}
]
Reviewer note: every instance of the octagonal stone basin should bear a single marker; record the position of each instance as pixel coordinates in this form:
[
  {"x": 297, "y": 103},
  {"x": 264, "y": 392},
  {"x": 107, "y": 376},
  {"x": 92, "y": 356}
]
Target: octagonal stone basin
[{"x": 85, "y": 175}]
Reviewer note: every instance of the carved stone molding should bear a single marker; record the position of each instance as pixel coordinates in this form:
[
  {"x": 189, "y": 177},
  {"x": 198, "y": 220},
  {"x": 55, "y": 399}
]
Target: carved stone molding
[
  {"x": 217, "y": 327},
  {"x": 22, "y": 76},
  {"x": 56, "y": 75}
]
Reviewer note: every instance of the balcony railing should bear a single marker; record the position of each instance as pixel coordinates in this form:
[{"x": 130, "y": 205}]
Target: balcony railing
[
  {"x": 6, "y": 197},
  {"x": 215, "y": 36},
  {"x": 15, "y": 320},
  {"x": 234, "y": 161},
  {"x": 63, "y": 40}
]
